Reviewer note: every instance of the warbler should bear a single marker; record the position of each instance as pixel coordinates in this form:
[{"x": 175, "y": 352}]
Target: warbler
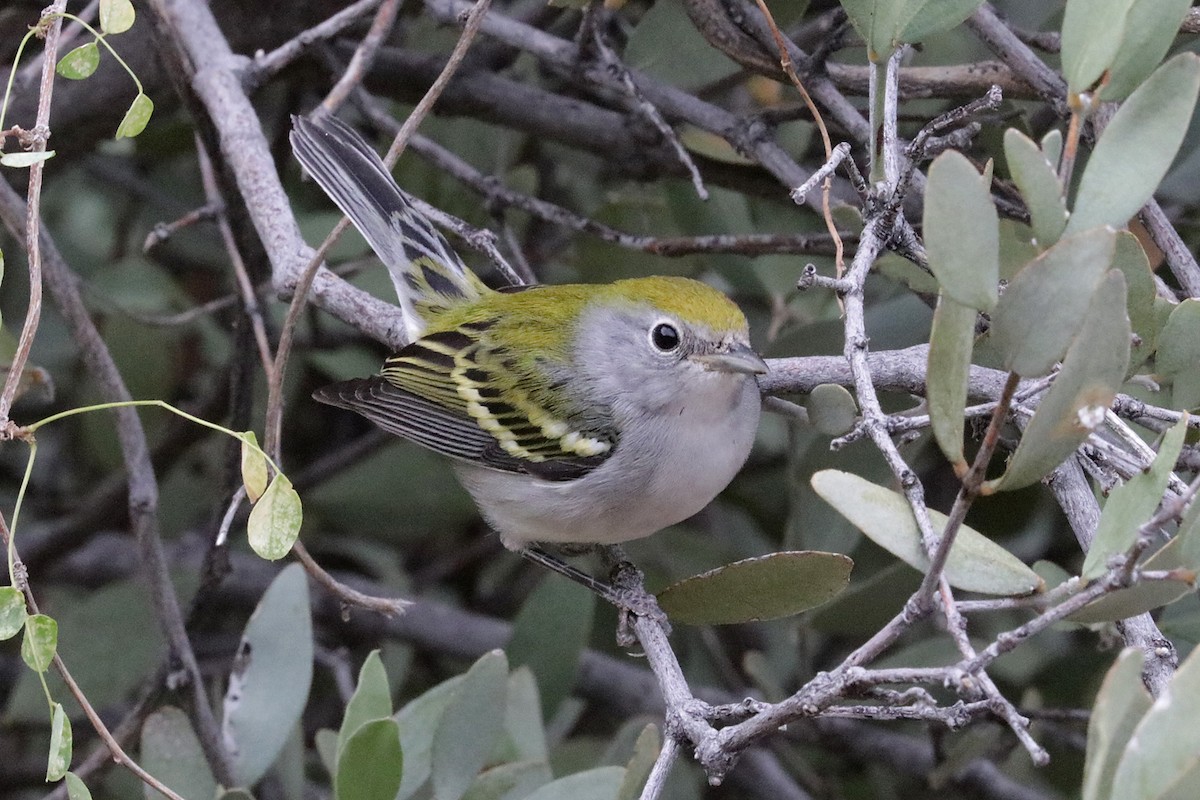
[{"x": 588, "y": 414}]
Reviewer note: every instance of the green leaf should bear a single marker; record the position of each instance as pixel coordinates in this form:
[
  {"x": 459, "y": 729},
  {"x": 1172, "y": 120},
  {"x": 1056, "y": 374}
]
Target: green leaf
[
  {"x": 1045, "y": 305},
  {"x": 372, "y": 698},
  {"x": 601, "y": 783},
  {"x": 523, "y": 728},
  {"x": 1120, "y": 704},
  {"x": 951, "y": 342},
  {"x": 172, "y": 753},
  {"x": 1135, "y": 150},
  {"x": 116, "y": 16},
  {"x": 976, "y": 564},
  {"x": 469, "y": 726},
  {"x": 512, "y": 781},
  {"x": 962, "y": 233},
  {"x": 371, "y": 764},
  {"x": 1052, "y": 145},
  {"x": 326, "y": 742},
  {"x": 1131, "y": 259},
  {"x": 40, "y": 642},
  {"x": 923, "y": 18},
  {"x": 254, "y": 467},
  {"x": 878, "y": 22},
  {"x": 79, "y": 63},
  {"x": 59, "y": 760},
  {"x": 645, "y": 753},
  {"x": 550, "y": 634},
  {"x": 831, "y": 409},
  {"x": 417, "y": 720},
  {"x": 76, "y": 788},
  {"x": 767, "y": 587},
  {"x": 1091, "y": 37},
  {"x": 12, "y": 612},
  {"x": 1179, "y": 342},
  {"x": 1144, "y": 595},
  {"x": 271, "y": 676},
  {"x": 1082, "y": 391},
  {"x": 1132, "y": 503},
  {"x": 1150, "y": 28},
  {"x": 23, "y": 160},
  {"x": 1039, "y": 185},
  {"x": 274, "y": 522},
  {"x": 136, "y": 118},
  {"x": 1188, "y": 537},
  {"x": 1161, "y": 758}
]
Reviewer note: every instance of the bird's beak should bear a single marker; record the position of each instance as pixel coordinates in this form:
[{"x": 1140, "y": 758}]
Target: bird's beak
[{"x": 738, "y": 359}]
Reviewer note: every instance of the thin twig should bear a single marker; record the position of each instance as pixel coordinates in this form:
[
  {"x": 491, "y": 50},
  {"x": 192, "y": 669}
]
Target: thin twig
[
  {"x": 40, "y": 133},
  {"x": 114, "y": 747}
]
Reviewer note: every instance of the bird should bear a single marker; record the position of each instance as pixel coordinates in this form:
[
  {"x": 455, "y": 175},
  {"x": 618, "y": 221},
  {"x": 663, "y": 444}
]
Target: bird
[{"x": 573, "y": 414}]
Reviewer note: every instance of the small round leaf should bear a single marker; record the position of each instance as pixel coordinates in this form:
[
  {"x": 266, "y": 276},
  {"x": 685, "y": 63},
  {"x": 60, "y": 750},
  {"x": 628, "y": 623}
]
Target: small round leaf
[
  {"x": 80, "y": 63},
  {"x": 831, "y": 409},
  {"x": 274, "y": 521},
  {"x": 12, "y": 612}
]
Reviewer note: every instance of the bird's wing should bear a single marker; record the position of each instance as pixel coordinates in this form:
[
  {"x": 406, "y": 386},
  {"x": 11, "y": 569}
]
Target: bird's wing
[
  {"x": 428, "y": 275},
  {"x": 458, "y": 394}
]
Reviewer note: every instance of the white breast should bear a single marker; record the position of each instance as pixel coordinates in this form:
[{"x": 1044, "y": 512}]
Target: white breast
[{"x": 665, "y": 469}]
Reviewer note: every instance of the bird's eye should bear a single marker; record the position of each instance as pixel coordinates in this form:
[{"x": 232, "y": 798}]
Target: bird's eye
[{"x": 665, "y": 337}]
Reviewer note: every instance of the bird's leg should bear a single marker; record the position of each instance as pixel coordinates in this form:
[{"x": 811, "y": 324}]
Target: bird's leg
[
  {"x": 629, "y": 583},
  {"x": 626, "y": 592}
]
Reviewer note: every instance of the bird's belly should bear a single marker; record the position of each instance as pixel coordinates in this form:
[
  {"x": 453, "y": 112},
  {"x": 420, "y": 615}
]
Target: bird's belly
[{"x": 676, "y": 475}]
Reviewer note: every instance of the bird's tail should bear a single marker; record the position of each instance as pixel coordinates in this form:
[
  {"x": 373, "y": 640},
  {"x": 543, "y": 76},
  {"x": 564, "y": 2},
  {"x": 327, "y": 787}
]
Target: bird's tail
[{"x": 428, "y": 275}]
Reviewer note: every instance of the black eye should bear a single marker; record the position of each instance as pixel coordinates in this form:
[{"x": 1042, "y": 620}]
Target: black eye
[{"x": 665, "y": 337}]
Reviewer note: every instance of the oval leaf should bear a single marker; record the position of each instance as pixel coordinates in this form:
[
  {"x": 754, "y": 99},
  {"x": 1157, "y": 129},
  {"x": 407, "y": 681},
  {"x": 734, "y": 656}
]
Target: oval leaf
[
  {"x": 12, "y": 612},
  {"x": 831, "y": 409},
  {"x": 40, "y": 642},
  {"x": 962, "y": 231},
  {"x": 1161, "y": 758},
  {"x": 416, "y": 719},
  {"x": 1179, "y": 342},
  {"x": 1082, "y": 391},
  {"x": 1090, "y": 40},
  {"x": 1135, "y": 150},
  {"x": 24, "y": 160},
  {"x": 275, "y": 520},
  {"x": 1131, "y": 259},
  {"x": 1120, "y": 704},
  {"x": 76, "y": 788},
  {"x": 1142, "y": 596},
  {"x": 951, "y": 342},
  {"x": 116, "y": 16},
  {"x": 136, "y": 118},
  {"x": 767, "y": 587},
  {"x": 469, "y": 726},
  {"x": 976, "y": 564},
  {"x": 59, "y": 759},
  {"x": 254, "y": 467},
  {"x": 271, "y": 676},
  {"x": 1045, "y": 305},
  {"x": 80, "y": 63},
  {"x": 601, "y": 783},
  {"x": 371, "y": 764},
  {"x": 637, "y": 770},
  {"x": 372, "y": 699},
  {"x": 1039, "y": 185},
  {"x": 172, "y": 753},
  {"x": 1150, "y": 28},
  {"x": 1131, "y": 504},
  {"x": 923, "y": 18}
]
